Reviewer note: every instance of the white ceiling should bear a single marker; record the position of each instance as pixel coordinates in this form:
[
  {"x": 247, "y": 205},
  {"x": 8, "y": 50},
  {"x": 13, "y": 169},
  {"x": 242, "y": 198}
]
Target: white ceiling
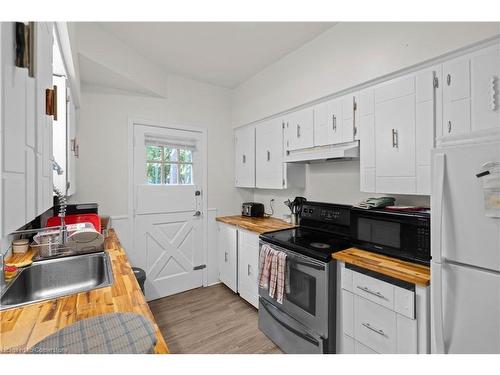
[{"x": 223, "y": 54}]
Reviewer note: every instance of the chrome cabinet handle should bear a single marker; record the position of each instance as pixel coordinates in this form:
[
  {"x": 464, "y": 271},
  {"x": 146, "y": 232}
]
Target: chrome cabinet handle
[
  {"x": 244, "y": 159},
  {"x": 379, "y": 331},
  {"x": 225, "y": 256},
  {"x": 395, "y": 138},
  {"x": 372, "y": 292},
  {"x": 268, "y": 155},
  {"x": 334, "y": 123},
  {"x": 448, "y": 80},
  {"x": 248, "y": 269},
  {"x": 354, "y": 110},
  {"x": 449, "y": 126},
  {"x": 298, "y": 131}
]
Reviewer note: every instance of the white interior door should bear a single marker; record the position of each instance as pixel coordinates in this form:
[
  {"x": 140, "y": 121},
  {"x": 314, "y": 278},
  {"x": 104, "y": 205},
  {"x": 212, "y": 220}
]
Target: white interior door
[{"x": 168, "y": 203}]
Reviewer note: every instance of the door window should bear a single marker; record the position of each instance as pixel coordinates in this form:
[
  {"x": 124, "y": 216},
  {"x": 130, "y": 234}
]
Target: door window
[
  {"x": 169, "y": 165},
  {"x": 302, "y": 290}
]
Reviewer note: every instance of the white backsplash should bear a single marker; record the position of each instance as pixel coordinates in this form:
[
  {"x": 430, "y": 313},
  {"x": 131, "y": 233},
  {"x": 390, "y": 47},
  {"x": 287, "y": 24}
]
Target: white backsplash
[{"x": 332, "y": 182}]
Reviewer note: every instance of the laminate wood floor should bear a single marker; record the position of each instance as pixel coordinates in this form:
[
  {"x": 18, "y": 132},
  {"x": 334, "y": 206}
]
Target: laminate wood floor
[{"x": 210, "y": 320}]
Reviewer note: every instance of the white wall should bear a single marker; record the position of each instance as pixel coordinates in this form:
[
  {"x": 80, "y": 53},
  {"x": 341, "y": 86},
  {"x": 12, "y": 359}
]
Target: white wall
[
  {"x": 102, "y": 169},
  {"x": 344, "y": 56}
]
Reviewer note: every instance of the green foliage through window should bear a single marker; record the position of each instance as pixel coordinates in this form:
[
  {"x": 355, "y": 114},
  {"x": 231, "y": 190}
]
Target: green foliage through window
[{"x": 169, "y": 166}]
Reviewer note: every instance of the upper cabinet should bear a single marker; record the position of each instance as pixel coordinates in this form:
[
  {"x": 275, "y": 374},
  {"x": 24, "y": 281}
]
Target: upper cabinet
[
  {"x": 328, "y": 123},
  {"x": 299, "y": 129},
  {"x": 244, "y": 148},
  {"x": 471, "y": 92},
  {"x": 26, "y": 130},
  {"x": 485, "y": 87},
  {"x": 349, "y": 120},
  {"x": 269, "y": 155}
]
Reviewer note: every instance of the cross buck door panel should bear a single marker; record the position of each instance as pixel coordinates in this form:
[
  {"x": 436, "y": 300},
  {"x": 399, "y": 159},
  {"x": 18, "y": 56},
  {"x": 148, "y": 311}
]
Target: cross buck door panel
[{"x": 168, "y": 213}]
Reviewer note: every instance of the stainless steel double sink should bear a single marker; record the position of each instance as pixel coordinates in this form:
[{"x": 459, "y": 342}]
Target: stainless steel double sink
[{"x": 53, "y": 278}]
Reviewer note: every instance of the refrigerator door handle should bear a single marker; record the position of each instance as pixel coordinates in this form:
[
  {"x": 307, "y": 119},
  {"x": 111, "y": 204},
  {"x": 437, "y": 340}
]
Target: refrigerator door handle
[
  {"x": 437, "y": 206},
  {"x": 437, "y": 309}
]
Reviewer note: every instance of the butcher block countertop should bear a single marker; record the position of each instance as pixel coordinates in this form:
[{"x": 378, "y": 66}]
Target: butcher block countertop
[
  {"x": 406, "y": 271},
  {"x": 255, "y": 224},
  {"x": 23, "y": 327}
]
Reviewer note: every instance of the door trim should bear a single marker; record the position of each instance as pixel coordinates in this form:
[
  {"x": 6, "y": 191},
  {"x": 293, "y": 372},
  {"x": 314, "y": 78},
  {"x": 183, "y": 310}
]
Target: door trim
[{"x": 204, "y": 182}]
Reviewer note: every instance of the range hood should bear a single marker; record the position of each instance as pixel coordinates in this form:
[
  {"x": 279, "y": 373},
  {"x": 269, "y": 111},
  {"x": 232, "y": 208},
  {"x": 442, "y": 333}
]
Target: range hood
[{"x": 340, "y": 152}]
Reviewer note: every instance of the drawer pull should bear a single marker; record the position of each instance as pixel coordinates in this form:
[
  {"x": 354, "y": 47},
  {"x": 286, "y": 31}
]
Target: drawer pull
[
  {"x": 379, "y": 331},
  {"x": 372, "y": 292}
]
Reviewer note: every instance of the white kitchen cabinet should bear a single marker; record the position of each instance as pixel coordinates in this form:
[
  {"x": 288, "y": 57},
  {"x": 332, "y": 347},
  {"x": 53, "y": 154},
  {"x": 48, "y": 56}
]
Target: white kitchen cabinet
[
  {"x": 456, "y": 97},
  {"x": 299, "y": 129},
  {"x": 328, "y": 123},
  {"x": 227, "y": 254},
  {"x": 485, "y": 88},
  {"x": 349, "y": 120},
  {"x": 366, "y": 131},
  {"x": 244, "y": 146},
  {"x": 395, "y": 136},
  {"x": 269, "y": 165},
  {"x": 43, "y": 74},
  {"x": 72, "y": 152},
  {"x": 248, "y": 266},
  {"x": 380, "y": 317},
  {"x": 21, "y": 140}
]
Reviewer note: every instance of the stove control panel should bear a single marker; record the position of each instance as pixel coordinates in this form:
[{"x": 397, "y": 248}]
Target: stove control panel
[{"x": 329, "y": 213}]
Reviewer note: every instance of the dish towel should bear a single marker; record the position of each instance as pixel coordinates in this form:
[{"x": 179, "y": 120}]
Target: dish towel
[
  {"x": 280, "y": 276},
  {"x": 265, "y": 266}
]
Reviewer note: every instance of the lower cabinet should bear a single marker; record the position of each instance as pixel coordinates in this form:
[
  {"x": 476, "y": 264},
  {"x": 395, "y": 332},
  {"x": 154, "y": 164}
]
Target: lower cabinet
[
  {"x": 379, "y": 317},
  {"x": 238, "y": 255},
  {"x": 248, "y": 266},
  {"x": 227, "y": 254}
]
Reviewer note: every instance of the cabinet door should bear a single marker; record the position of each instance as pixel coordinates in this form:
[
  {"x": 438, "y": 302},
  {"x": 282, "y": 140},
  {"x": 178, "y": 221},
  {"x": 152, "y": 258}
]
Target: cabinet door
[
  {"x": 485, "y": 75},
  {"x": 227, "y": 255},
  {"x": 43, "y": 73},
  {"x": 428, "y": 118},
  {"x": 395, "y": 128},
  {"x": 367, "y": 153},
  {"x": 456, "y": 97},
  {"x": 14, "y": 136},
  {"x": 349, "y": 128},
  {"x": 248, "y": 266},
  {"x": 244, "y": 145},
  {"x": 71, "y": 174},
  {"x": 300, "y": 129},
  {"x": 328, "y": 123},
  {"x": 269, "y": 155}
]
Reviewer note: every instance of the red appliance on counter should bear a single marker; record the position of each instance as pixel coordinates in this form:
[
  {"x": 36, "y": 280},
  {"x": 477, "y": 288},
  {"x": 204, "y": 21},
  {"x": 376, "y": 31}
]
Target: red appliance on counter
[{"x": 94, "y": 219}]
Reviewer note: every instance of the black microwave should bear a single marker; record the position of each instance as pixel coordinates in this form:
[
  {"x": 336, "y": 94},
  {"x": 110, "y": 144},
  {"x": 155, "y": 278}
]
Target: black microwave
[{"x": 403, "y": 235}]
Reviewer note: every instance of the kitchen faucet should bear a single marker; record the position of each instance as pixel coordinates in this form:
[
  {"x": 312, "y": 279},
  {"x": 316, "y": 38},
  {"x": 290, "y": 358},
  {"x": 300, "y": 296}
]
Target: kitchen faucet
[{"x": 63, "y": 233}]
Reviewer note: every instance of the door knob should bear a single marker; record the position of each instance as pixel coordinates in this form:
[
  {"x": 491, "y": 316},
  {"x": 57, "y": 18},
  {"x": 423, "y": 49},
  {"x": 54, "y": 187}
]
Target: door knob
[{"x": 197, "y": 213}]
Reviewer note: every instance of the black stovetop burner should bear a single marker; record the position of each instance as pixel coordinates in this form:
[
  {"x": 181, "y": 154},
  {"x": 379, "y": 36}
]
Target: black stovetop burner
[
  {"x": 323, "y": 230},
  {"x": 314, "y": 243}
]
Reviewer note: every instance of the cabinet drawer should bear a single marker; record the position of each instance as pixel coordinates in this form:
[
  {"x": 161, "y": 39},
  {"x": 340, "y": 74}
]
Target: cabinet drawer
[
  {"x": 375, "y": 326},
  {"x": 346, "y": 279},
  {"x": 373, "y": 289}
]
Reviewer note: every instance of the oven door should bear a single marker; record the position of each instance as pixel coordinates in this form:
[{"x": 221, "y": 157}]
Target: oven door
[{"x": 306, "y": 291}]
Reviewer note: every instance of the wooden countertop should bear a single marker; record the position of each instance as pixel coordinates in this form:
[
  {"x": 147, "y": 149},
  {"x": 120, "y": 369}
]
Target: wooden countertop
[
  {"x": 255, "y": 224},
  {"x": 406, "y": 271},
  {"x": 21, "y": 328}
]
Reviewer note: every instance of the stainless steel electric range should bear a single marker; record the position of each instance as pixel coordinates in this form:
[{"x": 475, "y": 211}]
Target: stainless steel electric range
[{"x": 305, "y": 322}]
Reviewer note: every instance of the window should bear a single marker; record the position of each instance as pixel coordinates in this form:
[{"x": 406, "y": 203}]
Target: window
[{"x": 169, "y": 165}]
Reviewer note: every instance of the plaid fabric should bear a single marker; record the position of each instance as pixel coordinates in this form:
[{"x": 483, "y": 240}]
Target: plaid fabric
[
  {"x": 264, "y": 266},
  {"x": 274, "y": 273},
  {"x": 117, "y": 333},
  {"x": 280, "y": 284}
]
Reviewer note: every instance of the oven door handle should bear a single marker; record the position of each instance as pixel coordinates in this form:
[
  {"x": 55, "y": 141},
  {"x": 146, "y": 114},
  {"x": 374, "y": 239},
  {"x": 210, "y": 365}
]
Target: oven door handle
[
  {"x": 303, "y": 335},
  {"x": 307, "y": 264}
]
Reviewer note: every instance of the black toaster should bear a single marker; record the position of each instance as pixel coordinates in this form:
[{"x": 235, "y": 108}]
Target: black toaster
[{"x": 252, "y": 209}]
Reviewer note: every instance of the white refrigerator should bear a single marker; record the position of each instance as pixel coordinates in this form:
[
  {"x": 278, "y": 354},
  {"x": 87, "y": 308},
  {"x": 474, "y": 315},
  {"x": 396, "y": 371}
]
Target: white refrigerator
[{"x": 465, "y": 243}]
